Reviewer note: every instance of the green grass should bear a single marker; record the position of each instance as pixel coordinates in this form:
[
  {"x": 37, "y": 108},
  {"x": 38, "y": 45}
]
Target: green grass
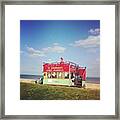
[{"x": 29, "y": 91}]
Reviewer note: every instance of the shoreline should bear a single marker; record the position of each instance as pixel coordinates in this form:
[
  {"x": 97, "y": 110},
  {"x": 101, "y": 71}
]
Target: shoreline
[
  {"x": 88, "y": 84},
  {"x": 87, "y": 81}
]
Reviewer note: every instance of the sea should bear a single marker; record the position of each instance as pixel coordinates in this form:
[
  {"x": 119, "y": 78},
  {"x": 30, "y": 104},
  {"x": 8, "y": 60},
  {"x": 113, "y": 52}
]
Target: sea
[{"x": 88, "y": 79}]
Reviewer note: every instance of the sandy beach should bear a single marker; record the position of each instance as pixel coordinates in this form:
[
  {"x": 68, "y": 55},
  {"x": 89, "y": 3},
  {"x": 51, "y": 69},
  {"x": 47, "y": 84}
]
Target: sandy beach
[
  {"x": 27, "y": 80},
  {"x": 88, "y": 85},
  {"x": 92, "y": 86}
]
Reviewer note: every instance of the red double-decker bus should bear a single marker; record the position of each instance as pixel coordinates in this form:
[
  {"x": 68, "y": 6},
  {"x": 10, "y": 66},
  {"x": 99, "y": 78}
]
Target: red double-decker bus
[{"x": 64, "y": 73}]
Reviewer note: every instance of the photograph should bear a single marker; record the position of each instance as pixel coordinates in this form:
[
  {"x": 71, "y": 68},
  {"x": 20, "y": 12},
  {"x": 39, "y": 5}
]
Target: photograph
[{"x": 59, "y": 59}]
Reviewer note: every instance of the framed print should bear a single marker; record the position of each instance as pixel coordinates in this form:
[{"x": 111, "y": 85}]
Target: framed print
[{"x": 60, "y": 60}]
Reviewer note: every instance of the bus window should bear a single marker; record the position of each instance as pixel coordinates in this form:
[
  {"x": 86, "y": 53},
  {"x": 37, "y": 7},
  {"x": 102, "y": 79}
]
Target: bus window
[
  {"x": 45, "y": 75},
  {"x": 54, "y": 74},
  {"x": 72, "y": 75},
  {"x": 66, "y": 75},
  {"x": 49, "y": 75},
  {"x": 59, "y": 74},
  {"x": 63, "y": 75}
]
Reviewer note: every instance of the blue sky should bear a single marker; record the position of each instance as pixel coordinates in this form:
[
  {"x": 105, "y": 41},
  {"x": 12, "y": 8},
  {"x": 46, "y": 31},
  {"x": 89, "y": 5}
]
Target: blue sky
[{"x": 47, "y": 40}]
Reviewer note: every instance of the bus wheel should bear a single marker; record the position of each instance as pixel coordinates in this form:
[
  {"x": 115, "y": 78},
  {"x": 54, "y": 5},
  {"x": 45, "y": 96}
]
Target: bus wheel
[
  {"x": 79, "y": 86},
  {"x": 84, "y": 86},
  {"x": 35, "y": 81}
]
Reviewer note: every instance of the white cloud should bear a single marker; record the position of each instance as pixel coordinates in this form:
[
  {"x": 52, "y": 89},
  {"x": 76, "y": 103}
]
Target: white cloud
[
  {"x": 91, "y": 41},
  {"x": 94, "y": 31},
  {"x": 55, "y": 43},
  {"x": 54, "y": 49},
  {"x": 34, "y": 52}
]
